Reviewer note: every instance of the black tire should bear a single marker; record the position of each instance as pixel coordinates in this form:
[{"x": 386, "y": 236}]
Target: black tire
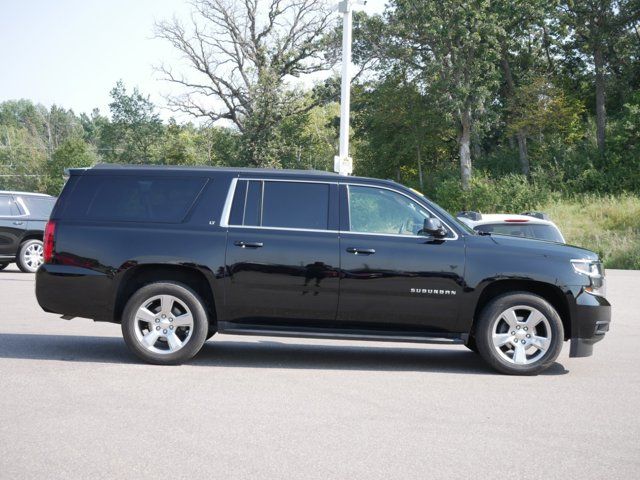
[
  {"x": 23, "y": 261},
  {"x": 192, "y": 344},
  {"x": 3, "y": 266},
  {"x": 490, "y": 315}
]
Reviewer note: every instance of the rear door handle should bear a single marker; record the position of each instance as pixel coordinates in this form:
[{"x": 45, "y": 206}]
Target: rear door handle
[
  {"x": 248, "y": 244},
  {"x": 361, "y": 251}
]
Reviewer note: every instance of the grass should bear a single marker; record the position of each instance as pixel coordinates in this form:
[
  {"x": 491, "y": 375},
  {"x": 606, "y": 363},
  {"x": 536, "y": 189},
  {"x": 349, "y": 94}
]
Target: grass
[{"x": 607, "y": 225}]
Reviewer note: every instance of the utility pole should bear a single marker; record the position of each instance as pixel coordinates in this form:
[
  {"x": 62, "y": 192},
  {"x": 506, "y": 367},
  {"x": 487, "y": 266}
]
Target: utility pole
[{"x": 343, "y": 163}]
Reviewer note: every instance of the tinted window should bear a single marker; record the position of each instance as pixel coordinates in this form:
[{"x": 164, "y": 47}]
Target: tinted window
[
  {"x": 7, "y": 206},
  {"x": 128, "y": 198},
  {"x": 253, "y": 205},
  {"x": 295, "y": 205},
  {"x": 39, "y": 207},
  {"x": 540, "y": 232},
  {"x": 247, "y": 203},
  {"x": 237, "y": 207},
  {"x": 376, "y": 210}
]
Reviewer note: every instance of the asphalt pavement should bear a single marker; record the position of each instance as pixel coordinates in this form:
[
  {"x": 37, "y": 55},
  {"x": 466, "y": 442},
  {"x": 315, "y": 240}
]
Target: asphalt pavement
[{"x": 75, "y": 404}]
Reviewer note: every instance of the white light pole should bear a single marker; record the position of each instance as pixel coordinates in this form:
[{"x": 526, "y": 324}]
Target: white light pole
[{"x": 343, "y": 164}]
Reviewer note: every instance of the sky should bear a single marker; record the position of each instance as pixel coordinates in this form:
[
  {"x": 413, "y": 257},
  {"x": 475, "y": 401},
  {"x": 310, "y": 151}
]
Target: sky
[{"x": 72, "y": 52}]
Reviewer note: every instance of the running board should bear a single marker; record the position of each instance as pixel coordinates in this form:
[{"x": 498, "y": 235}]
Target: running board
[{"x": 364, "y": 335}]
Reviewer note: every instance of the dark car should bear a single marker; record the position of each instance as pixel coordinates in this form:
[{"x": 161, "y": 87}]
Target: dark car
[
  {"x": 23, "y": 217},
  {"x": 177, "y": 254}
]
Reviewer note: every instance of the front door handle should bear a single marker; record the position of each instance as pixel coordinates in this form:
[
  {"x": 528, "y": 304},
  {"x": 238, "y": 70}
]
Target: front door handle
[
  {"x": 361, "y": 251},
  {"x": 248, "y": 244},
  {"x": 18, "y": 223}
]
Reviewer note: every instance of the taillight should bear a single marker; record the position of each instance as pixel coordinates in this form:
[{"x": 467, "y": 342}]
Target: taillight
[{"x": 49, "y": 241}]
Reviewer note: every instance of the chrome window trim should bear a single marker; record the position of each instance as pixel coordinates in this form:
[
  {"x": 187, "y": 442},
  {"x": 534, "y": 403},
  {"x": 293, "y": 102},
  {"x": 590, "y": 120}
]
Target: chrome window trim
[
  {"x": 397, "y": 235},
  {"x": 226, "y": 211},
  {"x": 262, "y": 179},
  {"x": 289, "y": 229},
  {"x": 24, "y": 207}
]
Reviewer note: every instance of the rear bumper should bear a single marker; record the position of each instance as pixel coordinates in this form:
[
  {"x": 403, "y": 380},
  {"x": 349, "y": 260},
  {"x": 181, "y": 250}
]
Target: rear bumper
[
  {"x": 74, "y": 291},
  {"x": 590, "y": 322}
]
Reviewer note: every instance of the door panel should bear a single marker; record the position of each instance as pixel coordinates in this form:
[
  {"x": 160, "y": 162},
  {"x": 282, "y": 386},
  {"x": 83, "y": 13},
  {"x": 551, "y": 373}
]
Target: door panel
[
  {"x": 392, "y": 276},
  {"x": 291, "y": 279},
  {"x": 408, "y": 283},
  {"x": 283, "y": 254},
  {"x": 12, "y": 226}
]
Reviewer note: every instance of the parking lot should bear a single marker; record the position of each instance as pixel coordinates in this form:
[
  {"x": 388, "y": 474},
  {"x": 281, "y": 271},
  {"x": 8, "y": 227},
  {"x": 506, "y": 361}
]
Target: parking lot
[{"x": 75, "y": 404}]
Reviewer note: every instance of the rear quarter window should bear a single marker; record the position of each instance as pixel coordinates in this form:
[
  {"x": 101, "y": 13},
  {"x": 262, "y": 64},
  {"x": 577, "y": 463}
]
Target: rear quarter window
[{"x": 151, "y": 199}]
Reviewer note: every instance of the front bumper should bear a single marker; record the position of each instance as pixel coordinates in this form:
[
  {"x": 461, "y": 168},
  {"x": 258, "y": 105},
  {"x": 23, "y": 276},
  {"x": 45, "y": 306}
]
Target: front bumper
[{"x": 590, "y": 320}]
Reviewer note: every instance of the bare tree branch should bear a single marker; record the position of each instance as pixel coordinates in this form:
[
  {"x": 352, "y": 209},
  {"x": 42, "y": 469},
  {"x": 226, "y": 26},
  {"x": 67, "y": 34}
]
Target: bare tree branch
[{"x": 240, "y": 54}]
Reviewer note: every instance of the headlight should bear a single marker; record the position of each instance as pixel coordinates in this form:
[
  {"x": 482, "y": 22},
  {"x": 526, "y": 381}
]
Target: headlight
[{"x": 594, "y": 270}]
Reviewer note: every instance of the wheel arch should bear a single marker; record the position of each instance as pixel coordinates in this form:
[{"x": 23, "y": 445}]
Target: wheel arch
[
  {"x": 551, "y": 293},
  {"x": 137, "y": 277},
  {"x": 32, "y": 236}
]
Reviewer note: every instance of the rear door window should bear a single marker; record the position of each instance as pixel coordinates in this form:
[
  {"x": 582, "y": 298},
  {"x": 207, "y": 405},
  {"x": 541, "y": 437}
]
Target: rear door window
[
  {"x": 298, "y": 205},
  {"x": 134, "y": 198}
]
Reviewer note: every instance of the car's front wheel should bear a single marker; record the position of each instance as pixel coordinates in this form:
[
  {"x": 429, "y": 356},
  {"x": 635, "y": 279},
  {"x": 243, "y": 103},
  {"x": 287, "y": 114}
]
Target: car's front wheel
[
  {"x": 165, "y": 323},
  {"x": 519, "y": 334},
  {"x": 30, "y": 256}
]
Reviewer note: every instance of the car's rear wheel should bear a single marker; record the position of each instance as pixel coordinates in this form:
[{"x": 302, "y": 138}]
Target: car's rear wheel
[
  {"x": 3, "y": 266},
  {"x": 30, "y": 256},
  {"x": 165, "y": 323},
  {"x": 519, "y": 334}
]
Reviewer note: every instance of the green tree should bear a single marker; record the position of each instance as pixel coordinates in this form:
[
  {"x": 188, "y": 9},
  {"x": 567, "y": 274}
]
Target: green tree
[
  {"x": 242, "y": 59},
  {"x": 524, "y": 43},
  {"x": 21, "y": 159},
  {"x": 594, "y": 28},
  {"x": 454, "y": 48},
  {"x": 539, "y": 107},
  {"x": 135, "y": 128},
  {"x": 310, "y": 141},
  {"x": 401, "y": 131},
  {"x": 72, "y": 153}
]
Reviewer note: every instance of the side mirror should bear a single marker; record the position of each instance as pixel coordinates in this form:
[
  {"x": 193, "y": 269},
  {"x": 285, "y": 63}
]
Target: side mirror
[{"x": 433, "y": 227}]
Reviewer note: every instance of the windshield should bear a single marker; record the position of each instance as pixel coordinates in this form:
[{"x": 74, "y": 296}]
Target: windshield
[{"x": 531, "y": 230}]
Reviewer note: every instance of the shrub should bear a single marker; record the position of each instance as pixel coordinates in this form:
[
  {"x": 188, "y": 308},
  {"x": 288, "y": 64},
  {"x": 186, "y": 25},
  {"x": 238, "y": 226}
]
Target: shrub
[
  {"x": 608, "y": 225},
  {"x": 511, "y": 193}
]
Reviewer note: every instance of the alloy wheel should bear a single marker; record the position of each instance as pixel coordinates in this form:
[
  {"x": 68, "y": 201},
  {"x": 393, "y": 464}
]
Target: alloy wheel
[
  {"x": 521, "y": 335},
  {"x": 163, "y": 324},
  {"x": 33, "y": 256}
]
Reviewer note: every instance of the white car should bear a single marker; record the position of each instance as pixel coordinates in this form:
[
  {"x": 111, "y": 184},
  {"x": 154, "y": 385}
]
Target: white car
[{"x": 530, "y": 224}]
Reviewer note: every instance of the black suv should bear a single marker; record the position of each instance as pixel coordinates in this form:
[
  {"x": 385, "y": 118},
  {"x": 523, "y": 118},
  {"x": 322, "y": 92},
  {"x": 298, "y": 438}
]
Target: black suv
[
  {"x": 23, "y": 217},
  {"x": 178, "y": 254}
]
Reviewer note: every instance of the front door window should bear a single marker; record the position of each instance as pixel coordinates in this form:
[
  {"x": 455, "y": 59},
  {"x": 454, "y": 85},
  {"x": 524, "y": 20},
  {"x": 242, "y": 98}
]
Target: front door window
[{"x": 381, "y": 211}]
